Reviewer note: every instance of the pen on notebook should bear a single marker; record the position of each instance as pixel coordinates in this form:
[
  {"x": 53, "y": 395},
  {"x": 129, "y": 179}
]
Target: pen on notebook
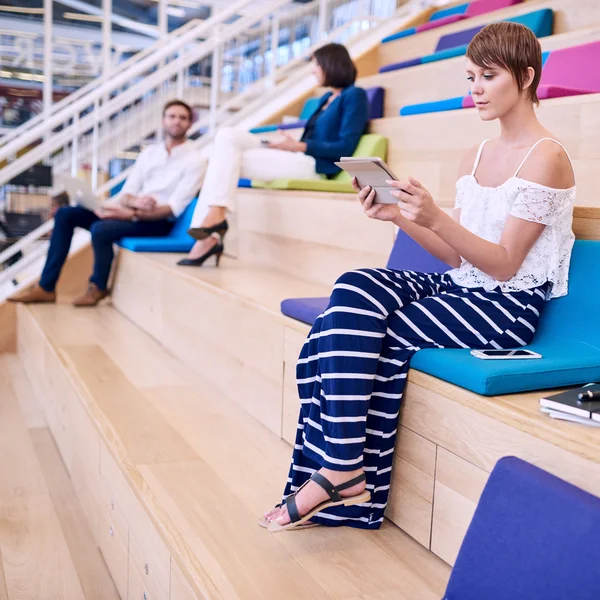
[{"x": 588, "y": 396}]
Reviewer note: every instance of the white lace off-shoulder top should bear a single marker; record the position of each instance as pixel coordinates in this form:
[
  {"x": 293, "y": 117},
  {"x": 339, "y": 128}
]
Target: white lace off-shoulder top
[{"x": 484, "y": 211}]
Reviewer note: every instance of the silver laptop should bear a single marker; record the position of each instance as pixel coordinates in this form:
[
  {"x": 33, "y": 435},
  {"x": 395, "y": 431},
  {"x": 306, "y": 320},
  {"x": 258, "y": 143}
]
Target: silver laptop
[{"x": 80, "y": 192}]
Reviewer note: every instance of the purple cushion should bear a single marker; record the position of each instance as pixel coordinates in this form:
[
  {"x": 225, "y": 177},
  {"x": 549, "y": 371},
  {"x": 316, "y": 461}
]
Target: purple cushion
[
  {"x": 559, "y": 91},
  {"x": 295, "y": 125},
  {"x": 533, "y": 536},
  {"x": 375, "y": 100},
  {"x": 575, "y": 67},
  {"x": 480, "y": 7},
  {"x": 407, "y": 255},
  {"x": 459, "y": 38},
  {"x": 413, "y": 62},
  {"x": 440, "y": 22},
  {"x": 304, "y": 309}
]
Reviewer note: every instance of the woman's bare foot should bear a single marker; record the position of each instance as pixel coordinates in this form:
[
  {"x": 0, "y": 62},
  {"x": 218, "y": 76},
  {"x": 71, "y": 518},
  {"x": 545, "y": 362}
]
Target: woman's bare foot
[
  {"x": 216, "y": 215},
  {"x": 313, "y": 494},
  {"x": 200, "y": 248}
]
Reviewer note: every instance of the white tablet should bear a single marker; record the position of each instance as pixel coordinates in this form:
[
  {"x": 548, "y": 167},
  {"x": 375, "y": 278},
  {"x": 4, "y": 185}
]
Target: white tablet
[
  {"x": 374, "y": 172},
  {"x": 79, "y": 191}
]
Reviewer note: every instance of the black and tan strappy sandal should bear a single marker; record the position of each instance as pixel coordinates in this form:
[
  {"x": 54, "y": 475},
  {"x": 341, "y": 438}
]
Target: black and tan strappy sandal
[
  {"x": 334, "y": 500},
  {"x": 264, "y": 523}
]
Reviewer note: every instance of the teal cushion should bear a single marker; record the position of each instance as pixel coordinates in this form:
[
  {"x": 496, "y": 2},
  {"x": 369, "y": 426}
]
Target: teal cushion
[
  {"x": 568, "y": 338},
  {"x": 460, "y": 9}
]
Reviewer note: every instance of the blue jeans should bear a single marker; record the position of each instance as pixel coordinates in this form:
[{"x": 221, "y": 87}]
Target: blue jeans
[{"x": 105, "y": 232}]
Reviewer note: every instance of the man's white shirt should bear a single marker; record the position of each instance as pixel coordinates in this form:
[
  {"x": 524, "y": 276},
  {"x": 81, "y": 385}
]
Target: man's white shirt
[{"x": 171, "y": 179}]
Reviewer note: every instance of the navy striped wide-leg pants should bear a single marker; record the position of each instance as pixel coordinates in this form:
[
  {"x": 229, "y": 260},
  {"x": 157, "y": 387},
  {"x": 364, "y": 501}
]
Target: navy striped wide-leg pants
[{"x": 353, "y": 366}]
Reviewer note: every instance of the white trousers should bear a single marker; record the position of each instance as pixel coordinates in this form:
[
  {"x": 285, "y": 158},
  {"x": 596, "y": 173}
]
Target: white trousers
[{"x": 236, "y": 153}]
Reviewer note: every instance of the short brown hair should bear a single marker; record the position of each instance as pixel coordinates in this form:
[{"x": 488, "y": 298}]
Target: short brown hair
[
  {"x": 179, "y": 103},
  {"x": 511, "y": 46},
  {"x": 339, "y": 70}
]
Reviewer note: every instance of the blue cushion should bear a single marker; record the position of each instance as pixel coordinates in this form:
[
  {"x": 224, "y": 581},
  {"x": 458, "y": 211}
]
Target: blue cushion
[
  {"x": 568, "y": 338},
  {"x": 533, "y": 537},
  {"x": 309, "y": 108},
  {"x": 460, "y": 9},
  {"x": 304, "y": 309},
  {"x": 444, "y": 54},
  {"x": 399, "y": 35},
  {"x": 244, "y": 182},
  {"x": 178, "y": 239},
  {"x": 413, "y": 62},
  {"x": 458, "y": 38},
  {"x": 407, "y": 255},
  {"x": 541, "y": 22},
  {"x": 264, "y": 129},
  {"x": 375, "y": 97},
  {"x": 428, "y": 107}
]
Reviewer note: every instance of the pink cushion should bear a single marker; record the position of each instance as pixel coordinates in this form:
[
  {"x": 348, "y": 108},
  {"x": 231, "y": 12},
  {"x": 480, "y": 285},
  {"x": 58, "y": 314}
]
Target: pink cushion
[
  {"x": 559, "y": 91},
  {"x": 480, "y": 7},
  {"x": 575, "y": 67},
  {"x": 440, "y": 22},
  {"x": 468, "y": 102}
]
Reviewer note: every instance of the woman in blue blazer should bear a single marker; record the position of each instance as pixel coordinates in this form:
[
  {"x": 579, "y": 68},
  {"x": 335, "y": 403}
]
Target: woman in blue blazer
[{"x": 333, "y": 131}]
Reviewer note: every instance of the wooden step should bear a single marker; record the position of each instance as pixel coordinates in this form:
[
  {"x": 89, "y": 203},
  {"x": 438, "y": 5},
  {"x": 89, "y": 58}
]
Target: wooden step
[
  {"x": 46, "y": 547},
  {"x": 439, "y": 469},
  {"x": 180, "y": 461}
]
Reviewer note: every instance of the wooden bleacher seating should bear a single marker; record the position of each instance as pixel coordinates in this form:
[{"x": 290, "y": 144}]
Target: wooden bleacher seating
[{"x": 173, "y": 409}]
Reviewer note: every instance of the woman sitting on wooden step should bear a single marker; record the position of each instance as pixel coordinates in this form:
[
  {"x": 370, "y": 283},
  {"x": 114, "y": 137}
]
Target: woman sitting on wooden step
[
  {"x": 333, "y": 131},
  {"x": 509, "y": 240}
]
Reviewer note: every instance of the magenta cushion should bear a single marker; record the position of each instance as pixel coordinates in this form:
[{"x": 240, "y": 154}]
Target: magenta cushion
[
  {"x": 559, "y": 91},
  {"x": 468, "y": 102},
  {"x": 480, "y": 7},
  {"x": 440, "y": 22},
  {"x": 575, "y": 67}
]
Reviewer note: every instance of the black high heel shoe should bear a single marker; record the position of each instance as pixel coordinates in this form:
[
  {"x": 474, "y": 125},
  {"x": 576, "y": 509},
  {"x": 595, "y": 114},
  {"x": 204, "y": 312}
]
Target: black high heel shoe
[
  {"x": 201, "y": 233},
  {"x": 216, "y": 250}
]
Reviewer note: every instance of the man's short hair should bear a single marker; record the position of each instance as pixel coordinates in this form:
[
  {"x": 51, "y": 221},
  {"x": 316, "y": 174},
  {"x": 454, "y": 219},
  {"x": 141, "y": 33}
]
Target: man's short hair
[
  {"x": 179, "y": 103},
  {"x": 61, "y": 199},
  {"x": 511, "y": 46}
]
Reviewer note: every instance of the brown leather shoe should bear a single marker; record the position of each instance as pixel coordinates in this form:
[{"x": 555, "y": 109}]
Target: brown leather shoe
[
  {"x": 91, "y": 297},
  {"x": 33, "y": 295}
]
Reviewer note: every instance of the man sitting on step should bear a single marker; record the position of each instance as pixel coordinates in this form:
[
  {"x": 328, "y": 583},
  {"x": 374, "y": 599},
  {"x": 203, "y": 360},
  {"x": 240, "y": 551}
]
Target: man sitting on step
[{"x": 163, "y": 181}]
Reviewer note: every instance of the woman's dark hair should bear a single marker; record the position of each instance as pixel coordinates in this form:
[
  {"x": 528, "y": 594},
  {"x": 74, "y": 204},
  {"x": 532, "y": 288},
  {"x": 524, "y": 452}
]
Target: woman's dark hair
[
  {"x": 179, "y": 103},
  {"x": 339, "y": 70},
  {"x": 61, "y": 199}
]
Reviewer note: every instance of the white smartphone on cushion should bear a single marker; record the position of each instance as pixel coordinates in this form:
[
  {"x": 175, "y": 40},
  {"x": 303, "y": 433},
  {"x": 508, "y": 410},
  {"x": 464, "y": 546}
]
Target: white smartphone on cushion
[
  {"x": 371, "y": 171},
  {"x": 505, "y": 354}
]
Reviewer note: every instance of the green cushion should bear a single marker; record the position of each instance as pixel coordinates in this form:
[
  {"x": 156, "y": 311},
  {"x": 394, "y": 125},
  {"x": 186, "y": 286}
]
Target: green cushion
[{"x": 370, "y": 144}]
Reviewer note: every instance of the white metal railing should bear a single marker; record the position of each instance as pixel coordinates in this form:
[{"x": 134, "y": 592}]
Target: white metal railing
[{"x": 148, "y": 77}]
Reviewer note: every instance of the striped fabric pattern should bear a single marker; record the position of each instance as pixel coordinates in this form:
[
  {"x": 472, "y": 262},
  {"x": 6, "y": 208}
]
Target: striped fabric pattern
[{"x": 353, "y": 366}]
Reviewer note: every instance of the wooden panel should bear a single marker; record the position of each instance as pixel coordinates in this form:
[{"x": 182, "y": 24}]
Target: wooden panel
[
  {"x": 8, "y": 327},
  {"x": 141, "y": 430},
  {"x": 235, "y": 346},
  {"x": 431, "y": 146},
  {"x": 483, "y": 440},
  {"x": 36, "y": 559},
  {"x": 75, "y": 273},
  {"x": 92, "y": 572},
  {"x": 118, "y": 495},
  {"x": 458, "y": 487},
  {"x": 411, "y": 494},
  {"x": 586, "y": 223},
  {"x": 447, "y": 78},
  {"x": 180, "y": 588},
  {"x": 142, "y": 575},
  {"x": 113, "y": 542},
  {"x": 280, "y": 231},
  {"x": 568, "y": 16}
]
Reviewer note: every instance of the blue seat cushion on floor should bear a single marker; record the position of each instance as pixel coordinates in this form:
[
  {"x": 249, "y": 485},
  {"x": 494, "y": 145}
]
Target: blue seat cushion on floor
[
  {"x": 428, "y": 107},
  {"x": 459, "y": 9},
  {"x": 304, "y": 309},
  {"x": 413, "y": 62},
  {"x": 533, "y": 537},
  {"x": 244, "y": 182},
  {"x": 401, "y": 34},
  {"x": 568, "y": 338},
  {"x": 445, "y": 54},
  {"x": 375, "y": 97},
  {"x": 178, "y": 239}
]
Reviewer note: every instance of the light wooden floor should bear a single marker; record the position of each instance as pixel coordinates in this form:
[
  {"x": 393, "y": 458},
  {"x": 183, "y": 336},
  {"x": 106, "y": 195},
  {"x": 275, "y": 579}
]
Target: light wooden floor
[
  {"x": 47, "y": 551},
  {"x": 211, "y": 470}
]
